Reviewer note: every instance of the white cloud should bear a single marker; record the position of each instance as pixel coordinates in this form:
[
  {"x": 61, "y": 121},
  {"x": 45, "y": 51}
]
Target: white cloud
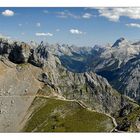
[
  {"x": 46, "y": 11},
  {"x": 66, "y": 14},
  {"x": 62, "y": 15},
  {"x": 38, "y": 24},
  {"x": 57, "y": 30},
  {"x": 75, "y": 31},
  {"x": 22, "y": 33},
  {"x": 43, "y": 34},
  {"x": 114, "y": 14},
  {"x": 19, "y": 24},
  {"x": 133, "y": 25},
  {"x": 87, "y": 15},
  {"x": 8, "y": 13}
]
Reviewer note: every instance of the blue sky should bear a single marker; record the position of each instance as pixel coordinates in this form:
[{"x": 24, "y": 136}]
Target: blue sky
[{"x": 78, "y": 26}]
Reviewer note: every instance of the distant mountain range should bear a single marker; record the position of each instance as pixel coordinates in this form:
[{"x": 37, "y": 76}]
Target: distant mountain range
[
  {"x": 44, "y": 87},
  {"x": 119, "y": 63}
]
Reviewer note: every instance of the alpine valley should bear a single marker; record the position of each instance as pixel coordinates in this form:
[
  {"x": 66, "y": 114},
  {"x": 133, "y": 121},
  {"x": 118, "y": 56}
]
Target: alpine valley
[{"x": 62, "y": 88}]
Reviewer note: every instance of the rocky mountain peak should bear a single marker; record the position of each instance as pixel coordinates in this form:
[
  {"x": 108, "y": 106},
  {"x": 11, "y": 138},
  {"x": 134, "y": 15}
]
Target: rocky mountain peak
[{"x": 120, "y": 41}]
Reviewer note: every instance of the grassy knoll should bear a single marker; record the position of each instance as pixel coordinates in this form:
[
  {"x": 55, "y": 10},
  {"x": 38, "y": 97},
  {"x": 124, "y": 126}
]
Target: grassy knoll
[{"x": 52, "y": 115}]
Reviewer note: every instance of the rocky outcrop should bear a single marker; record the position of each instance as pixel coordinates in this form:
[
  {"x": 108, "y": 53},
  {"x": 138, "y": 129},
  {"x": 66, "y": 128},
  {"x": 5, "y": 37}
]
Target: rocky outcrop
[
  {"x": 119, "y": 42},
  {"x": 129, "y": 122},
  {"x": 17, "y": 52},
  {"x": 5, "y": 47},
  {"x": 39, "y": 56},
  {"x": 127, "y": 79}
]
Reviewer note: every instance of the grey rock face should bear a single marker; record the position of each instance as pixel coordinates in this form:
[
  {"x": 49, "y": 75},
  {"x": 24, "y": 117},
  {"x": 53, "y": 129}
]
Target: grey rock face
[
  {"x": 118, "y": 63},
  {"x": 17, "y": 52},
  {"x": 129, "y": 79},
  {"x": 5, "y": 47},
  {"x": 93, "y": 90},
  {"x": 39, "y": 55},
  {"x": 118, "y": 42}
]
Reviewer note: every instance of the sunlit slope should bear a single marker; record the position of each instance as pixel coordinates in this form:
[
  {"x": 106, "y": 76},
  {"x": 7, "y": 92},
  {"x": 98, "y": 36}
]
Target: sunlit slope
[{"x": 54, "y": 115}]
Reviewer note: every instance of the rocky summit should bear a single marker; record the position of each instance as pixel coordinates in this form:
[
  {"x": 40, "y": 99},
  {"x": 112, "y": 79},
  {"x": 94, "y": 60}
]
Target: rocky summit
[{"x": 53, "y": 88}]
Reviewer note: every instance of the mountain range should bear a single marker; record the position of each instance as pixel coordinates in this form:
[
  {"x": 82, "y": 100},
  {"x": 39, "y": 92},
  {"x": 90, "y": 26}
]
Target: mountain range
[
  {"x": 62, "y": 88},
  {"x": 118, "y": 63}
]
